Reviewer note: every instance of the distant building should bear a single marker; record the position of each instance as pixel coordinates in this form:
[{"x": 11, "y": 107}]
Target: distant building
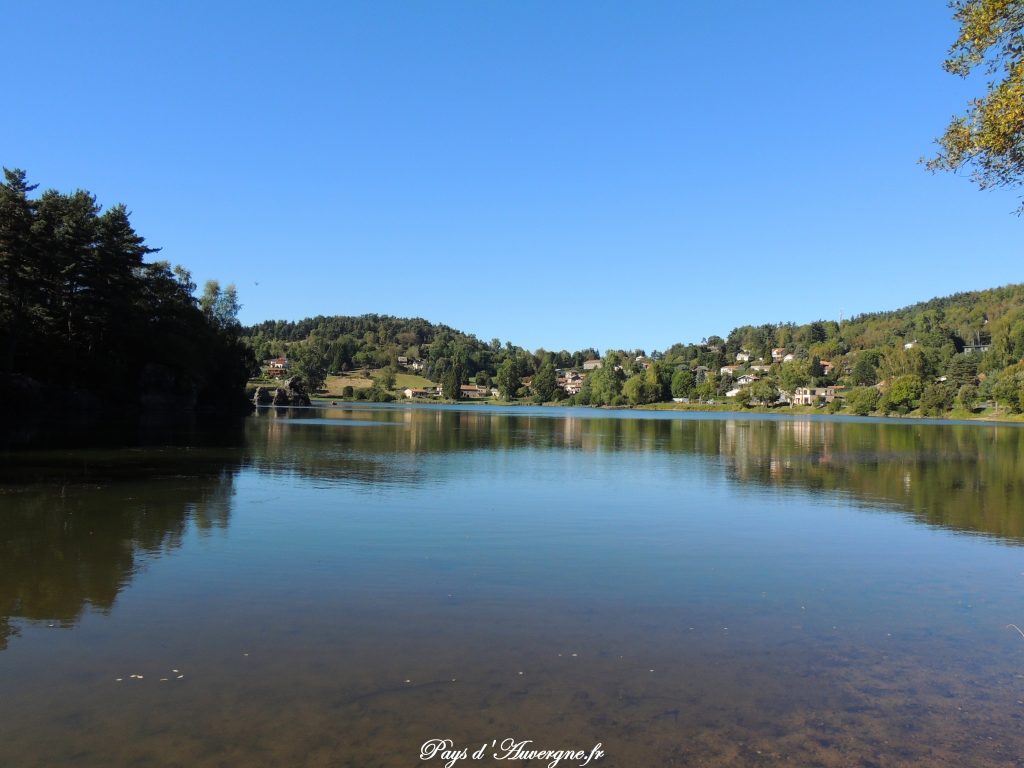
[
  {"x": 592, "y": 365},
  {"x": 278, "y": 367},
  {"x": 976, "y": 349},
  {"x": 778, "y": 353},
  {"x": 814, "y": 395},
  {"x": 743, "y": 357},
  {"x": 729, "y": 370}
]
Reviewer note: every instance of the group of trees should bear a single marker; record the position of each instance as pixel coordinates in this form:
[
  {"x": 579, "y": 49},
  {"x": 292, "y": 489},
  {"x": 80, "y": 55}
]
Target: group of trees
[
  {"x": 82, "y": 311},
  {"x": 948, "y": 352}
]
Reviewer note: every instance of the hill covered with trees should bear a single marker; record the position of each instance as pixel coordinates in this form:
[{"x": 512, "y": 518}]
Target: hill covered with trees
[
  {"x": 958, "y": 351},
  {"x": 85, "y": 320}
]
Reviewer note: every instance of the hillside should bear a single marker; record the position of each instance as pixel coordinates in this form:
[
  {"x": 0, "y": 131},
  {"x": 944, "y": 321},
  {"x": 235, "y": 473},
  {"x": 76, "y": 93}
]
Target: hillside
[{"x": 959, "y": 350}]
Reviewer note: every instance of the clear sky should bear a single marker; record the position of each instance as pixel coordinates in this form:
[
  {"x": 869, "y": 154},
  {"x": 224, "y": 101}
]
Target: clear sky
[{"x": 556, "y": 174}]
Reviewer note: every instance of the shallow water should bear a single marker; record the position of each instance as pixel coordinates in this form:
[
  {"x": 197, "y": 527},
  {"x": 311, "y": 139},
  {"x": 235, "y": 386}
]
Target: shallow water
[{"x": 336, "y": 586}]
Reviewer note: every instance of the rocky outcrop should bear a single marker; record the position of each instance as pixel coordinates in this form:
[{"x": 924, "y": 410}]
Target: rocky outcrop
[
  {"x": 262, "y": 396},
  {"x": 292, "y": 393},
  {"x": 296, "y": 391}
]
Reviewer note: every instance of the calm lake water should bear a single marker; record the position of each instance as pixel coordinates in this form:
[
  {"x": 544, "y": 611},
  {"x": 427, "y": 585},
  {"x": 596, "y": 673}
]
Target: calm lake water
[{"x": 336, "y": 586}]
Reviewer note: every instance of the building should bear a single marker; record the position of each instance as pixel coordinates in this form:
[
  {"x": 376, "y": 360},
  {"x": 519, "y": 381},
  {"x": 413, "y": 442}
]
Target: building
[
  {"x": 278, "y": 367},
  {"x": 815, "y": 395},
  {"x": 729, "y": 370},
  {"x": 743, "y": 356},
  {"x": 591, "y": 365},
  {"x": 778, "y": 353},
  {"x": 976, "y": 349}
]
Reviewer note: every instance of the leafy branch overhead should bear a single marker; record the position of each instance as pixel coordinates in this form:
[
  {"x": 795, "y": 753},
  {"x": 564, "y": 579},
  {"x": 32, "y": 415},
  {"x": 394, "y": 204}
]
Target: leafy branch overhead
[{"x": 989, "y": 138}]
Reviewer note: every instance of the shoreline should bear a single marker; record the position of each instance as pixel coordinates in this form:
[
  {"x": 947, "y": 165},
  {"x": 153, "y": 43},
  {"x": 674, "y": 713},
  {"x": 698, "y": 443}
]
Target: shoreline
[{"x": 953, "y": 416}]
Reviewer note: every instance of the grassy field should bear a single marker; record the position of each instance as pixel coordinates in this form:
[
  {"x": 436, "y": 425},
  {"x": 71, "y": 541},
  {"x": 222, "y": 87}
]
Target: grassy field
[{"x": 363, "y": 379}]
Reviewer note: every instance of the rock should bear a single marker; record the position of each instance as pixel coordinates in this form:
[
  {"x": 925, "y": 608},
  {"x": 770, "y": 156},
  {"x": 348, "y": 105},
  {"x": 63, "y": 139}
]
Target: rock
[
  {"x": 296, "y": 391},
  {"x": 280, "y": 397},
  {"x": 262, "y": 396}
]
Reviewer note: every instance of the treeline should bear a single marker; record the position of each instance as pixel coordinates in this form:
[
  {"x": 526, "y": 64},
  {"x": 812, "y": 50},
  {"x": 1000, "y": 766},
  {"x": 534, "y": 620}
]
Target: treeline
[
  {"x": 336, "y": 344},
  {"x": 958, "y": 351},
  {"x": 961, "y": 351},
  {"x": 84, "y": 318}
]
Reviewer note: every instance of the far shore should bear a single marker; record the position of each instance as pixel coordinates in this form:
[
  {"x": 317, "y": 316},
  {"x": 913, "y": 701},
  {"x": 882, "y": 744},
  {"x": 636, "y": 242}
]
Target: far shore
[{"x": 986, "y": 415}]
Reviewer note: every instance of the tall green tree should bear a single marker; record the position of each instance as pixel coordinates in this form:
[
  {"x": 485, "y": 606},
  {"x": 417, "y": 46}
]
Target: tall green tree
[
  {"x": 989, "y": 138},
  {"x": 508, "y": 379},
  {"x": 452, "y": 379},
  {"x": 17, "y": 263},
  {"x": 545, "y": 382}
]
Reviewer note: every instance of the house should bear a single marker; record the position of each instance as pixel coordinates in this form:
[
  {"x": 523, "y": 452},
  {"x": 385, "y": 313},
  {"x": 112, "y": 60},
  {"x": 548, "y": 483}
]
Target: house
[
  {"x": 778, "y": 353},
  {"x": 591, "y": 365},
  {"x": 746, "y": 379},
  {"x": 734, "y": 391},
  {"x": 760, "y": 368},
  {"x": 416, "y": 365},
  {"x": 474, "y": 392},
  {"x": 826, "y": 366},
  {"x": 643, "y": 362},
  {"x": 814, "y": 395},
  {"x": 413, "y": 394},
  {"x": 971, "y": 349},
  {"x": 403, "y": 360},
  {"x": 729, "y": 370},
  {"x": 278, "y": 367},
  {"x": 743, "y": 356},
  {"x": 789, "y": 358},
  {"x": 569, "y": 385}
]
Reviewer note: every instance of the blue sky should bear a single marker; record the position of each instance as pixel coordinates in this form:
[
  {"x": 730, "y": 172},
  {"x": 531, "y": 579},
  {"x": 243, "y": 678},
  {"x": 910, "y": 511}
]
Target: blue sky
[{"x": 563, "y": 175}]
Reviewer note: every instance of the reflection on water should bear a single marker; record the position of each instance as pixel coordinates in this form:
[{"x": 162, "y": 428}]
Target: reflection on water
[{"x": 336, "y": 586}]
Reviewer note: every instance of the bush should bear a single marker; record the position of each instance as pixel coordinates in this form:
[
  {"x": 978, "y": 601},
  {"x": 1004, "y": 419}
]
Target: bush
[{"x": 862, "y": 400}]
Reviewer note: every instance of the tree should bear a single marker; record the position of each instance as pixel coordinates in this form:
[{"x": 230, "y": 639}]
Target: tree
[
  {"x": 683, "y": 382},
  {"x": 764, "y": 391},
  {"x": 386, "y": 378},
  {"x": 220, "y": 306},
  {"x": 545, "y": 383},
  {"x": 508, "y": 379},
  {"x": 989, "y": 138},
  {"x": 606, "y": 385},
  {"x": 966, "y": 396},
  {"x": 904, "y": 393},
  {"x": 794, "y": 374},
  {"x": 864, "y": 371},
  {"x": 309, "y": 362},
  {"x": 862, "y": 400},
  {"x": 451, "y": 381},
  {"x": 937, "y": 398}
]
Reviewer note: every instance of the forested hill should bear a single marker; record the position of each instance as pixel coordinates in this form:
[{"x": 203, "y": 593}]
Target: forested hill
[
  {"x": 966, "y": 318},
  {"x": 343, "y": 343},
  {"x": 958, "y": 349}
]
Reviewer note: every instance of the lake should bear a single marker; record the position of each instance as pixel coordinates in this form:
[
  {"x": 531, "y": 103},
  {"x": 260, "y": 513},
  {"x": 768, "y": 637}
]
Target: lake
[{"x": 337, "y": 586}]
